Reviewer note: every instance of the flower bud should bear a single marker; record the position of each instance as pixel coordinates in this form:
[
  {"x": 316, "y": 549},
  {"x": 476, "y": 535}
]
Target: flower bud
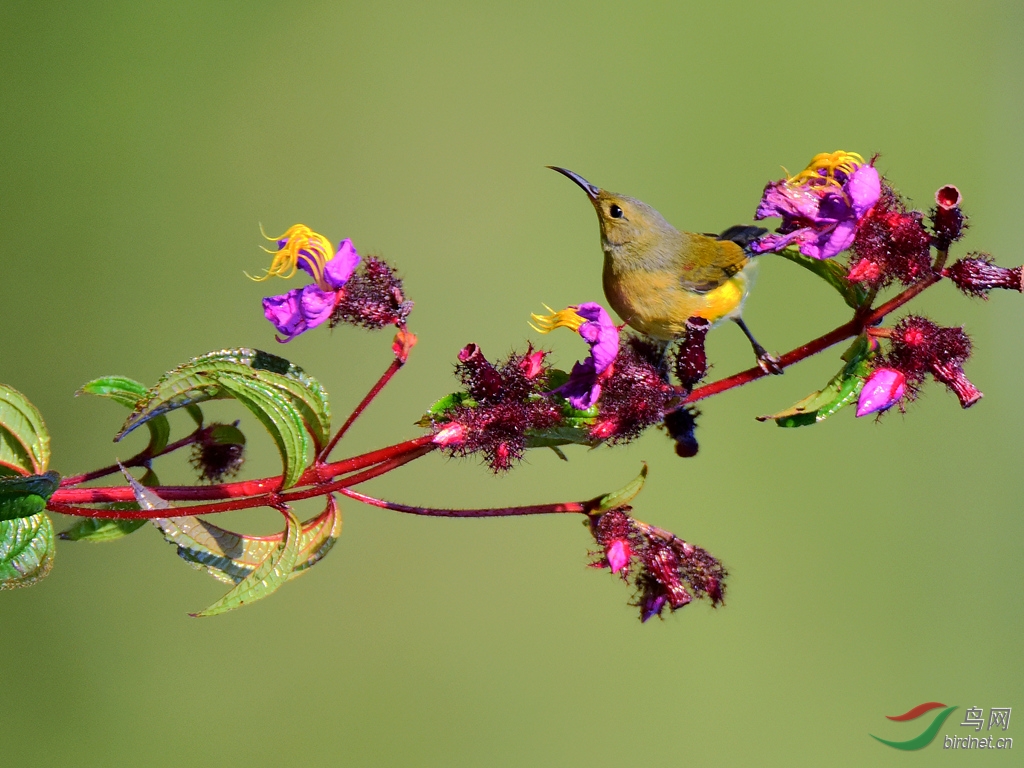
[
  {"x": 948, "y": 221},
  {"x": 451, "y": 434},
  {"x": 618, "y": 553},
  {"x": 977, "y": 274},
  {"x": 691, "y": 359},
  {"x": 883, "y": 389},
  {"x": 952, "y": 375}
]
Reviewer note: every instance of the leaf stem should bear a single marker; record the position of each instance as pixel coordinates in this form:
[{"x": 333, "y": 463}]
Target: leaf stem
[
  {"x": 572, "y": 507},
  {"x": 138, "y": 460},
  {"x": 374, "y": 391}
]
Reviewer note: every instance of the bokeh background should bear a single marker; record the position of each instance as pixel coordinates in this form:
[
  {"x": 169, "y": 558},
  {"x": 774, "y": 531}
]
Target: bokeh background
[{"x": 874, "y": 566}]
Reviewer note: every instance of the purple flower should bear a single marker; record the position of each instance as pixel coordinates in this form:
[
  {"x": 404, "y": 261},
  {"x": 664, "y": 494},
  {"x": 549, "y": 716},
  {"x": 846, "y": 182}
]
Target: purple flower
[
  {"x": 301, "y": 309},
  {"x": 883, "y": 389},
  {"x": 821, "y": 206},
  {"x": 595, "y": 327}
]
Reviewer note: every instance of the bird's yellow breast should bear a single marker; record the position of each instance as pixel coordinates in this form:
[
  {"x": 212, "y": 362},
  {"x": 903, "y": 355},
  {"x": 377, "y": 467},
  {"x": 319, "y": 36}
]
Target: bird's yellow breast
[{"x": 655, "y": 302}]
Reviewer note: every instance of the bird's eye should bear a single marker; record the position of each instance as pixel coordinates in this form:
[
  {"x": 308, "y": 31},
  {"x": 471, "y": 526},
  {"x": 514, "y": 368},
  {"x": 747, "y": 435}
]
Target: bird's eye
[{"x": 615, "y": 212}]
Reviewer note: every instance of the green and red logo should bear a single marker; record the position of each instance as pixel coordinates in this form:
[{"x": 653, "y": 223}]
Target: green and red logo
[{"x": 927, "y": 735}]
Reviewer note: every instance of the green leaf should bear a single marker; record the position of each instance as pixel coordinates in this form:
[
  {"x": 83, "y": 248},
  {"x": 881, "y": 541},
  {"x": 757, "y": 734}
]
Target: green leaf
[
  {"x": 833, "y": 273},
  {"x": 128, "y": 392},
  {"x": 278, "y": 393},
  {"x": 281, "y": 421},
  {"x": 439, "y": 411},
  {"x": 841, "y": 390},
  {"x": 22, "y": 497},
  {"x": 266, "y": 578},
  {"x": 26, "y": 550},
  {"x": 230, "y": 557},
  {"x": 24, "y": 439},
  {"x": 96, "y": 529},
  {"x": 623, "y": 496}
]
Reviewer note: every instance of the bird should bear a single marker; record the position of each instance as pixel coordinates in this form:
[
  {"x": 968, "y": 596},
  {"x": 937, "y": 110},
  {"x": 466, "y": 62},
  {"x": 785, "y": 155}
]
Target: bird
[{"x": 657, "y": 277}]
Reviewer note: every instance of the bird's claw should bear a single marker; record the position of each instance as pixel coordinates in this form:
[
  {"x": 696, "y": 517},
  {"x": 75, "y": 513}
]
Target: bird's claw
[{"x": 769, "y": 363}]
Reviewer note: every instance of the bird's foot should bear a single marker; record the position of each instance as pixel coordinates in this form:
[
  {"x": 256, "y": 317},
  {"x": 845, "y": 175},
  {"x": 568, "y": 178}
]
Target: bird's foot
[{"x": 768, "y": 363}]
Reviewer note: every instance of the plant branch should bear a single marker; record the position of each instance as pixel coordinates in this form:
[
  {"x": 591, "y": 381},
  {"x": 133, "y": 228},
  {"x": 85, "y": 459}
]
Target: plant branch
[
  {"x": 374, "y": 391},
  {"x": 245, "y": 488},
  {"x": 138, "y": 460},
  {"x": 855, "y": 327},
  {"x": 573, "y": 507}
]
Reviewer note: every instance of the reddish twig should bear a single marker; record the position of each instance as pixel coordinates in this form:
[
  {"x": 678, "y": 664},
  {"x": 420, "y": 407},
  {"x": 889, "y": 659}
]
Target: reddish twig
[
  {"x": 573, "y": 507},
  {"x": 381, "y": 383}
]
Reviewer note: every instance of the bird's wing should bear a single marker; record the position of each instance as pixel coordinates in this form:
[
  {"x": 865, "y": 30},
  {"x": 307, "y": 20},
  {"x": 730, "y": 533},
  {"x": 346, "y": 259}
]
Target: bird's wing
[{"x": 709, "y": 262}]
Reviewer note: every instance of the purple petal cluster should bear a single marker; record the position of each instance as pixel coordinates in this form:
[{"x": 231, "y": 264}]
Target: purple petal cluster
[
  {"x": 583, "y": 388},
  {"x": 301, "y": 309},
  {"x": 820, "y": 207}
]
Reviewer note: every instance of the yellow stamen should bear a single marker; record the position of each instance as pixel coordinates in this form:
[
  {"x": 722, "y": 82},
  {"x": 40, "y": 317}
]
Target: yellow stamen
[
  {"x": 566, "y": 318},
  {"x": 847, "y": 162},
  {"x": 316, "y": 251}
]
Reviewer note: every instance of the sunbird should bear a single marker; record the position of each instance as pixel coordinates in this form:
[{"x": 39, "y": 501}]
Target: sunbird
[{"x": 656, "y": 277}]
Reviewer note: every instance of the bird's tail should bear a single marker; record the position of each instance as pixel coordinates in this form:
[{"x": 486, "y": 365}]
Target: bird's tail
[{"x": 742, "y": 235}]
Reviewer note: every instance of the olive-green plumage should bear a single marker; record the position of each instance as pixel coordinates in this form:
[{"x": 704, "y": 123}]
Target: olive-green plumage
[{"x": 656, "y": 277}]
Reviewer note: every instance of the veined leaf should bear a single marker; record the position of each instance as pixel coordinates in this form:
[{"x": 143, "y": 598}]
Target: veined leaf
[
  {"x": 267, "y": 577},
  {"x": 22, "y": 497},
  {"x": 128, "y": 392},
  {"x": 24, "y": 439},
  {"x": 230, "y": 557},
  {"x": 280, "y": 394},
  {"x": 26, "y": 550},
  {"x": 197, "y": 380},
  {"x": 833, "y": 273},
  {"x": 281, "y": 421}
]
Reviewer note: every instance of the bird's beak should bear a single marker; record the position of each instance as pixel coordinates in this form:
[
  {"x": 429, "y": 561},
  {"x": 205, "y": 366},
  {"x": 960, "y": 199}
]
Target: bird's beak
[{"x": 586, "y": 186}]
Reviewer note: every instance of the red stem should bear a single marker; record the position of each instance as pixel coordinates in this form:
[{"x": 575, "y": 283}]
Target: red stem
[
  {"x": 381, "y": 383},
  {"x": 272, "y": 499},
  {"x": 855, "y": 327},
  {"x": 574, "y": 507},
  {"x": 316, "y": 474},
  {"x": 137, "y": 460}
]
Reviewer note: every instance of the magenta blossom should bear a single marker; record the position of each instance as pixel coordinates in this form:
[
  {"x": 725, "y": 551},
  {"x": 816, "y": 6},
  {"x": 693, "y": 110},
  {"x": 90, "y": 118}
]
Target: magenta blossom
[
  {"x": 300, "y": 309},
  {"x": 595, "y": 326},
  {"x": 883, "y": 389},
  {"x": 821, "y": 206}
]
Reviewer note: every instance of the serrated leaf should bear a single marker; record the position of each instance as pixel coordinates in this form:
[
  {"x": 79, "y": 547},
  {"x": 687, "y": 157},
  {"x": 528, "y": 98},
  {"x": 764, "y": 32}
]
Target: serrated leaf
[
  {"x": 833, "y": 273},
  {"x": 197, "y": 381},
  {"x": 266, "y": 578},
  {"x": 128, "y": 392},
  {"x": 230, "y": 557},
  {"x": 624, "y": 495},
  {"x": 26, "y": 551},
  {"x": 283, "y": 423},
  {"x": 24, "y": 439},
  {"x": 22, "y": 497},
  {"x": 278, "y": 393}
]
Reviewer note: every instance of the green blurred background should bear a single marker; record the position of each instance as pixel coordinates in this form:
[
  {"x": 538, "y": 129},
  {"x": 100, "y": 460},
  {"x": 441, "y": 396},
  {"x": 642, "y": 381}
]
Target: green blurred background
[{"x": 874, "y": 567}]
